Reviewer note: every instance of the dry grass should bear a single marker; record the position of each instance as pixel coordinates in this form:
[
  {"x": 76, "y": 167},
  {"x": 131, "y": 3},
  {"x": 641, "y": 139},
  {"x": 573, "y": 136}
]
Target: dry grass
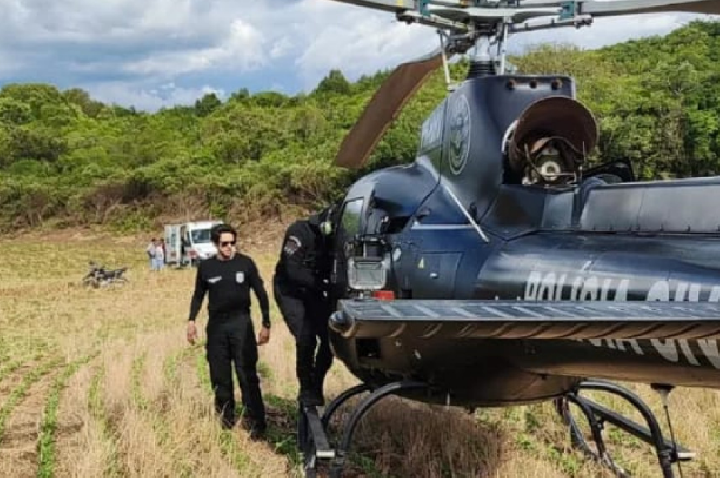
[{"x": 136, "y": 400}]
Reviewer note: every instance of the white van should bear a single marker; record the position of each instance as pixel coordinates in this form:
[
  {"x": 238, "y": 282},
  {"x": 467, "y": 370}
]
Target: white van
[{"x": 188, "y": 243}]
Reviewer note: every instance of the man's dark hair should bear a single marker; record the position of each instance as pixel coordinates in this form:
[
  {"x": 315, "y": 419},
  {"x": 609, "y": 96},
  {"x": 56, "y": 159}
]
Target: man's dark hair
[{"x": 219, "y": 230}]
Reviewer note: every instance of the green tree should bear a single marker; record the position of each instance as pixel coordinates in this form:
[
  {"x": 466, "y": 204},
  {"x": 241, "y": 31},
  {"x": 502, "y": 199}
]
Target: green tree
[
  {"x": 334, "y": 83},
  {"x": 207, "y": 104}
]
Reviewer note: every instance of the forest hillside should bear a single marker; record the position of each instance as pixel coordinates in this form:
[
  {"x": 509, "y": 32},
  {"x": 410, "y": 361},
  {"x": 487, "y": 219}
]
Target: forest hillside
[{"x": 68, "y": 160}]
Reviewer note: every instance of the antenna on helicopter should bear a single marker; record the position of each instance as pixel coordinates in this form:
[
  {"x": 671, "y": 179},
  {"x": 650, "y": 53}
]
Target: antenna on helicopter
[{"x": 444, "y": 41}]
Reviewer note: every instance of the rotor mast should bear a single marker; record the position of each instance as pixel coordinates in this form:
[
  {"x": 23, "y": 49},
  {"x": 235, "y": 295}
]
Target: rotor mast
[{"x": 482, "y": 27}]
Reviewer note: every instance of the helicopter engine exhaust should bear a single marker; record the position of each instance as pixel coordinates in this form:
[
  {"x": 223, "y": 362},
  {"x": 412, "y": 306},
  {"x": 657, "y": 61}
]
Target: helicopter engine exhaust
[{"x": 548, "y": 144}]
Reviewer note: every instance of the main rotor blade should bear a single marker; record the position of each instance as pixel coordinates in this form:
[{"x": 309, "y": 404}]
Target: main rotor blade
[
  {"x": 487, "y": 14},
  {"x": 631, "y": 7},
  {"x": 383, "y": 108},
  {"x": 387, "y": 5}
]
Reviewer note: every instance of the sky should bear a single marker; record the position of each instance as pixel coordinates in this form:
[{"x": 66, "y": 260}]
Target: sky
[{"x": 157, "y": 53}]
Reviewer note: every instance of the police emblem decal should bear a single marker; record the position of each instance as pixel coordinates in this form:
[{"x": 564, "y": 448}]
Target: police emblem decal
[
  {"x": 292, "y": 245},
  {"x": 239, "y": 277}
]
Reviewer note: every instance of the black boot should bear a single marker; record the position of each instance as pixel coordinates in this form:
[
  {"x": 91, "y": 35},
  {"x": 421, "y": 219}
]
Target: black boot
[
  {"x": 226, "y": 412},
  {"x": 256, "y": 427},
  {"x": 308, "y": 395},
  {"x": 228, "y": 420},
  {"x": 317, "y": 390}
]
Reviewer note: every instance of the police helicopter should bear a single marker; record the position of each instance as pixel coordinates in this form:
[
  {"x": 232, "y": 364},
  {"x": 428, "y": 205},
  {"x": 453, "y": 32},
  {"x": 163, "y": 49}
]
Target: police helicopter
[{"x": 496, "y": 269}]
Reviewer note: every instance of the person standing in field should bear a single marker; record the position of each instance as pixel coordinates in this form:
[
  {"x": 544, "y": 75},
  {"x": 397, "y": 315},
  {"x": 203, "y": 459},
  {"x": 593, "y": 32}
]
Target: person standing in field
[
  {"x": 159, "y": 255},
  {"x": 151, "y": 253},
  {"x": 228, "y": 278},
  {"x": 164, "y": 248}
]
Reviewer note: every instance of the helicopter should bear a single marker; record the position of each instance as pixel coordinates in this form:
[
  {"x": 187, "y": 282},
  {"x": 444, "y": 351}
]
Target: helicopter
[{"x": 495, "y": 270}]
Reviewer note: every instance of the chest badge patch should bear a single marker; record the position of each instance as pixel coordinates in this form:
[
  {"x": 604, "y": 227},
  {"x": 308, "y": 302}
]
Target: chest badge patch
[
  {"x": 239, "y": 277},
  {"x": 292, "y": 245}
]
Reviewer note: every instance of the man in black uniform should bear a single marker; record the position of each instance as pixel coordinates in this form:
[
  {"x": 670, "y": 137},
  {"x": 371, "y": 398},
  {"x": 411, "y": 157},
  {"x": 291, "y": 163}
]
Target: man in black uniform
[
  {"x": 300, "y": 288},
  {"x": 230, "y": 334}
]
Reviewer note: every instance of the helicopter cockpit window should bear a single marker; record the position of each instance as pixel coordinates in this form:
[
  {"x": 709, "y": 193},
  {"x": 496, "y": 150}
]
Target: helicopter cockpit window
[{"x": 351, "y": 216}]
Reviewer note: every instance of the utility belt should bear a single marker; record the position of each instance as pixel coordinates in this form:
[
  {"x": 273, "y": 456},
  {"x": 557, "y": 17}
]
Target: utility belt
[
  {"x": 222, "y": 316},
  {"x": 299, "y": 292},
  {"x": 284, "y": 286}
]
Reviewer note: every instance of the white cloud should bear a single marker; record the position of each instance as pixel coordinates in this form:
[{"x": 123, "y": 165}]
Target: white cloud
[
  {"x": 125, "y": 49},
  {"x": 241, "y": 50},
  {"x": 357, "y": 40},
  {"x": 149, "y": 99},
  {"x": 606, "y": 31},
  {"x": 281, "y": 47}
]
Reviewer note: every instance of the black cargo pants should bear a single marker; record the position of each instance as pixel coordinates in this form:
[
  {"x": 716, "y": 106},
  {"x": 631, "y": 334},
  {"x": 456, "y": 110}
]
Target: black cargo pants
[
  {"x": 231, "y": 338},
  {"x": 307, "y": 318}
]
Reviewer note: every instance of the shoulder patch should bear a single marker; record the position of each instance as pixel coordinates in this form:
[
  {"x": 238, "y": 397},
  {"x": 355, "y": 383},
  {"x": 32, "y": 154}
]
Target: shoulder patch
[{"x": 292, "y": 245}]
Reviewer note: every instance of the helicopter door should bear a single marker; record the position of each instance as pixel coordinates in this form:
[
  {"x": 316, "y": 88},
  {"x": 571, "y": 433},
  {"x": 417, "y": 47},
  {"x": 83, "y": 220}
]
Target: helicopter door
[{"x": 350, "y": 225}]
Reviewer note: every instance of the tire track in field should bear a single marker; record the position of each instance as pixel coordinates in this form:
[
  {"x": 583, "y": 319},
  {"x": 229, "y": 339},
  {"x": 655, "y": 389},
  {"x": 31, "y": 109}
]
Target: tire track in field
[
  {"x": 12, "y": 374},
  {"x": 78, "y": 432},
  {"x": 8, "y": 367},
  {"x": 20, "y": 419},
  {"x": 46, "y": 442}
]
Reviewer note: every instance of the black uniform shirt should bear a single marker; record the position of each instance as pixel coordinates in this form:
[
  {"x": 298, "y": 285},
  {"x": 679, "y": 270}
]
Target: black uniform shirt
[
  {"x": 299, "y": 264},
  {"x": 229, "y": 283}
]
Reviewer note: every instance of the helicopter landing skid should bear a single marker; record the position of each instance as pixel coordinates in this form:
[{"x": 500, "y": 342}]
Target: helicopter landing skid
[
  {"x": 668, "y": 451},
  {"x": 312, "y": 430}
]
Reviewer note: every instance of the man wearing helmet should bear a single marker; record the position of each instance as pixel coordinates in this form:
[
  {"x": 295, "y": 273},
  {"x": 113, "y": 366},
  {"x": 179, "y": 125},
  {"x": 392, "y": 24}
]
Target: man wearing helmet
[{"x": 300, "y": 288}]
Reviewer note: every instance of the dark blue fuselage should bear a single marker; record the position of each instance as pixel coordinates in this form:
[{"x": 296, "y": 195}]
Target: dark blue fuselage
[{"x": 586, "y": 242}]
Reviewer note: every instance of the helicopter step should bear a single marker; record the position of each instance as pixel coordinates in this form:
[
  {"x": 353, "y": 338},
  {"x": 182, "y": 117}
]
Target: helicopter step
[
  {"x": 312, "y": 439},
  {"x": 312, "y": 430}
]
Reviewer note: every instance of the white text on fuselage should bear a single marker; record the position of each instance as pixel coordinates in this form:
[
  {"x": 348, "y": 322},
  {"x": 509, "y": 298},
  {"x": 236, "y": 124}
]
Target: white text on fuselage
[{"x": 542, "y": 286}]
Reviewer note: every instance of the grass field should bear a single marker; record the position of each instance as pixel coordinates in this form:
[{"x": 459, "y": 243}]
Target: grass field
[{"x": 103, "y": 383}]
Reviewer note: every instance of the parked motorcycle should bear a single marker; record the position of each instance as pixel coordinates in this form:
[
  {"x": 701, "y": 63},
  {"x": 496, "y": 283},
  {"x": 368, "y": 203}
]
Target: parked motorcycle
[{"x": 99, "y": 277}]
